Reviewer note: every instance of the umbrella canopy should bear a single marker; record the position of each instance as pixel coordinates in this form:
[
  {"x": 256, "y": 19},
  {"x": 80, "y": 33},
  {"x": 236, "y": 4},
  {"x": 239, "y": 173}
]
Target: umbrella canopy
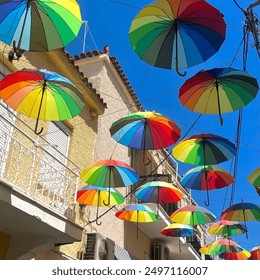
[
  {"x": 109, "y": 173},
  {"x": 41, "y": 25},
  {"x": 204, "y": 149},
  {"x": 137, "y": 213},
  {"x": 254, "y": 177},
  {"x": 176, "y": 34},
  {"x": 226, "y": 228},
  {"x": 206, "y": 178},
  {"x": 218, "y": 91},
  {"x": 255, "y": 253},
  {"x": 145, "y": 131},
  {"x": 95, "y": 196},
  {"x": 242, "y": 255},
  {"x": 242, "y": 212},
  {"x": 220, "y": 246},
  {"x": 41, "y": 94},
  {"x": 178, "y": 230},
  {"x": 192, "y": 215},
  {"x": 158, "y": 192}
]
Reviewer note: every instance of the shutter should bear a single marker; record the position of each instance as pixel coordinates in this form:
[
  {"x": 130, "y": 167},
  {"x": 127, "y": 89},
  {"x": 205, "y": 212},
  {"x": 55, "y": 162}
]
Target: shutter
[{"x": 58, "y": 138}]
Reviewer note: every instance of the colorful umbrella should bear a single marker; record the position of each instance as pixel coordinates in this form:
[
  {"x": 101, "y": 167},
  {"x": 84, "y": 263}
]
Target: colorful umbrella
[
  {"x": 137, "y": 213},
  {"x": 242, "y": 255},
  {"x": 255, "y": 253},
  {"x": 218, "y": 91},
  {"x": 206, "y": 178},
  {"x": 220, "y": 246},
  {"x": 109, "y": 173},
  {"x": 242, "y": 212},
  {"x": 226, "y": 228},
  {"x": 145, "y": 131},
  {"x": 178, "y": 230},
  {"x": 158, "y": 192},
  {"x": 95, "y": 196},
  {"x": 204, "y": 149},
  {"x": 177, "y": 33},
  {"x": 192, "y": 215},
  {"x": 41, "y": 25},
  {"x": 254, "y": 177},
  {"x": 42, "y": 95}
]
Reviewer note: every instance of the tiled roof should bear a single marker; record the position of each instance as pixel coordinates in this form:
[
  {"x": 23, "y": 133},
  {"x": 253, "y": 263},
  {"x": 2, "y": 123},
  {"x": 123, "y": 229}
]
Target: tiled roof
[{"x": 119, "y": 70}]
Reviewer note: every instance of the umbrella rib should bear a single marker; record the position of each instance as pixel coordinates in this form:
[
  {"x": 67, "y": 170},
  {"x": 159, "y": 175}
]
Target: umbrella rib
[{"x": 21, "y": 35}]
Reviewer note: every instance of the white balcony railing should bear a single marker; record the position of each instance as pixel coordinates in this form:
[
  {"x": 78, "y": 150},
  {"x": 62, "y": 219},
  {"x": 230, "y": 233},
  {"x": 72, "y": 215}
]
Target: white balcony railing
[{"x": 27, "y": 166}]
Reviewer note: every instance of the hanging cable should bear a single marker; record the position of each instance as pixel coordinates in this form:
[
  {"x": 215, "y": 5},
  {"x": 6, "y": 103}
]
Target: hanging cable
[
  {"x": 124, "y": 4},
  {"x": 238, "y": 136}
]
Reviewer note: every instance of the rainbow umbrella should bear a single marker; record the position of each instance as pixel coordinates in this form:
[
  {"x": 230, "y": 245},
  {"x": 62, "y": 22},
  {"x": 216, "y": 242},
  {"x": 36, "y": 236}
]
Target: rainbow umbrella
[
  {"x": 226, "y": 228},
  {"x": 217, "y": 91},
  {"x": 145, "y": 131},
  {"x": 177, "y": 34},
  {"x": 255, "y": 253},
  {"x": 137, "y": 213},
  {"x": 204, "y": 149},
  {"x": 95, "y": 196},
  {"x": 41, "y": 25},
  {"x": 206, "y": 178},
  {"x": 192, "y": 215},
  {"x": 178, "y": 230},
  {"x": 242, "y": 212},
  {"x": 220, "y": 246},
  {"x": 254, "y": 177},
  {"x": 41, "y": 94},
  {"x": 109, "y": 173},
  {"x": 158, "y": 192},
  {"x": 240, "y": 255}
]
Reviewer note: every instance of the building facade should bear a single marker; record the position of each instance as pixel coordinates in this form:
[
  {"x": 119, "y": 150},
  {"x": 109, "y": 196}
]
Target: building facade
[{"x": 39, "y": 177}]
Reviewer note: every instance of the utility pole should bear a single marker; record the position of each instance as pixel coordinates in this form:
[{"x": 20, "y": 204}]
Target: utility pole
[{"x": 253, "y": 24}]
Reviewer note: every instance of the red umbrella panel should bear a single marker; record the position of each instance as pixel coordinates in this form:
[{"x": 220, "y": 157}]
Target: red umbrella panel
[
  {"x": 255, "y": 253},
  {"x": 242, "y": 255}
]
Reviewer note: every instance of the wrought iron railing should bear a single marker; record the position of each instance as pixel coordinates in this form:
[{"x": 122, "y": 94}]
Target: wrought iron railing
[{"x": 28, "y": 166}]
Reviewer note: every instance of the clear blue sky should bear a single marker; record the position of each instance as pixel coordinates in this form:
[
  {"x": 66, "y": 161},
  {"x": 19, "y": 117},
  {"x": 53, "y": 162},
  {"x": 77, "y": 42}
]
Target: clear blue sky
[{"x": 157, "y": 89}]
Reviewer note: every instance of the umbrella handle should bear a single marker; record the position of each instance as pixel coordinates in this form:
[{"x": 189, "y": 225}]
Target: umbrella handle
[
  {"x": 177, "y": 70},
  {"x": 108, "y": 202},
  {"x": 36, "y": 127},
  {"x": 176, "y": 58}
]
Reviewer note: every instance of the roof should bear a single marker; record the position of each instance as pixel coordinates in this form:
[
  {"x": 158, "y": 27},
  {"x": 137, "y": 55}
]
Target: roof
[{"x": 119, "y": 70}]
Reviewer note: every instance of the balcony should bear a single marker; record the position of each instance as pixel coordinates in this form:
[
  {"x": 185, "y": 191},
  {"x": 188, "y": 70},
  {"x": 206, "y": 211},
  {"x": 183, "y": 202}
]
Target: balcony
[{"x": 37, "y": 190}]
